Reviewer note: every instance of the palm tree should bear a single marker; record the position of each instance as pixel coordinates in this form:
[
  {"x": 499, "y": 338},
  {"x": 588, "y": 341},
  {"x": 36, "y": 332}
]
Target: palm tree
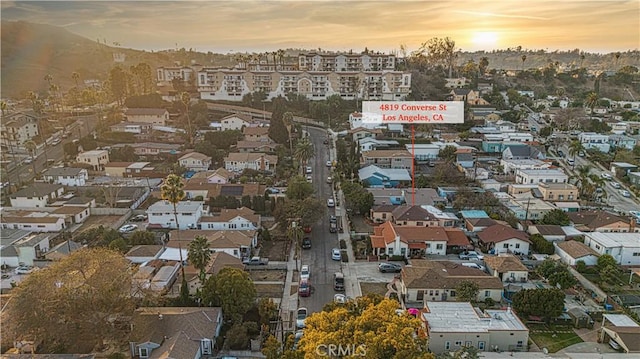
[
  {"x": 75, "y": 76},
  {"x": 304, "y": 151},
  {"x": 281, "y": 53},
  {"x": 295, "y": 233},
  {"x": 185, "y": 98},
  {"x": 575, "y": 147},
  {"x": 172, "y": 190},
  {"x": 287, "y": 118},
  {"x": 524, "y": 58},
  {"x": 199, "y": 255},
  {"x": 591, "y": 101},
  {"x": 3, "y": 107}
]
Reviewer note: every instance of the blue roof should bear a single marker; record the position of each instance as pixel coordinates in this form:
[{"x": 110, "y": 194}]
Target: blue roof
[{"x": 474, "y": 213}]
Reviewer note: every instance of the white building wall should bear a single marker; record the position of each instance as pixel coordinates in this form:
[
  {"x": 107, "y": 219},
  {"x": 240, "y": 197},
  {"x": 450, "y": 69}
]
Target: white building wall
[
  {"x": 236, "y": 224},
  {"x": 437, "y": 247},
  {"x": 513, "y": 245},
  {"x": 29, "y": 202}
]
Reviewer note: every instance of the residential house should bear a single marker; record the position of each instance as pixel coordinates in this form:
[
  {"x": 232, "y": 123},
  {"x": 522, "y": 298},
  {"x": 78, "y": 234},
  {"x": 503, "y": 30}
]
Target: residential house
[
  {"x": 510, "y": 167},
  {"x": 412, "y": 216},
  {"x": 394, "y": 240},
  {"x": 382, "y": 213},
  {"x": 558, "y": 191},
  {"x": 168, "y": 74},
  {"x": 476, "y": 220},
  {"x": 623, "y": 247},
  {"x": 97, "y": 159},
  {"x": 239, "y": 244},
  {"x": 375, "y": 176},
  {"x": 458, "y": 82},
  {"x": 465, "y": 160},
  {"x": 231, "y": 220},
  {"x": 195, "y": 161},
  {"x": 621, "y": 169},
  {"x": 238, "y": 162},
  {"x": 622, "y": 330},
  {"x": 417, "y": 196},
  {"x": 453, "y": 326},
  {"x": 598, "y": 141},
  {"x": 601, "y": 221},
  {"x": 175, "y": 332},
  {"x": 116, "y": 169},
  {"x": 66, "y": 176},
  {"x": 161, "y": 214},
  {"x": 570, "y": 252},
  {"x": 528, "y": 208},
  {"x": 217, "y": 262},
  {"x": 425, "y": 151},
  {"x": 360, "y": 133},
  {"x": 72, "y": 214},
  {"x": 622, "y": 142},
  {"x": 445, "y": 219},
  {"x": 141, "y": 169},
  {"x": 525, "y": 152},
  {"x": 634, "y": 178},
  {"x": 209, "y": 191},
  {"x": 427, "y": 280},
  {"x": 144, "y": 253},
  {"x": 507, "y": 267},
  {"x": 256, "y": 146},
  {"x": 235, "y": 122},
  {"x": 137, "y": 128},
  {"x": 20, "y": 246},
  {"x": 504, "y": 239},
  {"x": 397, "y": 159},
  {"x": 62, "y": 250},
  {"x": 256, "y": 134},
  {"x": 220, "y": 175},
  {"x": 17, "y": 128},
  {"x": 471, "y": 97},
  {"x": 554, "y": 233},
  {"x": 550, "y": 175},
  {"x": 154, "y": 116},
  {"x": 155, "y": 148},
  {"x": 370, "y": 144},
  {"x": 36, "y": 195},
  {"x": 32, "y": 221}
]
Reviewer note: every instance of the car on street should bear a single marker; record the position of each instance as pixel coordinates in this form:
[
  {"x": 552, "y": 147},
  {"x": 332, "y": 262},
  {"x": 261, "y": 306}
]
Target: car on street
[
  {"x": 128, "y": 228},
  {"x": 304, "y": 288},
  {"x": 309, "y": 170},
  {"x": 389, "y": 268},
  {"x": 331, "y": 203},
  {"x": 296, "y": 338},
  {"x": 606, "y": 176},
  {"x": 55, "y": 142},
  {"x": 309, "y": 179},
  {"x": 139, "y": 218},
  {"x": 306, "y": 243},
  {"x": 335, "y": 254},
  {"x": 560, "y": 153},
  {"x": 329, "y": 164},
  {"x": 305, "y": 272},
  {"x": 340, "y": 298},
  {"x": 581, "y": 154},
  {"x": 333, "y": 219},
  {"x": 616, "y": 185},
  {"x": 301, "y": 317},
  {"x": 27, "y": 161},
  {"x": 625, "y": 193},
  {"x": 329, "y": 180},
  {"x": 24, "y": 270},
  {"x": 333, "y": 227},
  {"x": 471, "y": 255}
]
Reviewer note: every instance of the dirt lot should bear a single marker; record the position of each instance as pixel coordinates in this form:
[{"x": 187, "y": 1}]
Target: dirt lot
[
  {"x": 275, "y": 250},
  {"x": 97, "y": 221},
  {"x": 373, "y": 288},
  {"x": 269, "y": 290},
  {"x": 268, "y": 275}
]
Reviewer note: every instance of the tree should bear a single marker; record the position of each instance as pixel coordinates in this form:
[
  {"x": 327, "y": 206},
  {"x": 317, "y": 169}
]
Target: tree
[
  {"x": 268, "y": 310},
  {"x": 575, "y": 147},
  {"x": 185, "y": 99},
  {"x": 542, "y": 245},
  {"x": 372, "y": 325},
  {"x": 467, "y": 291},
  {"x": 483, "y": 65},
  {"x": 440, "y": 52},
  {"x": 556, "y": 217},
  {"x": 142, "y": 238},
  {"x": 73, "y": 304},
  {"x": 546, "y": 303},
  {"x": 304, "y": 151},
  {"x": 606, "y": 260},
  {"x": 233, "y": 290},
  {"x": 172, "y": 190},
  {"x": 287, "y": 119},
  {"x": 562, "y": 277},
  {"x": 199, "y": 255},
  {"x": 448, "y": 153},
  {"x": 118, "y": 83},
  {"x": 277, "y": 130},
  {"x": 299, "y": 188}
]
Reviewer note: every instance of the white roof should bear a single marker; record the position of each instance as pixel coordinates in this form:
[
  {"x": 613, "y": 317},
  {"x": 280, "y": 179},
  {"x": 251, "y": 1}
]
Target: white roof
[
  {"x": 173, "y": 254},
  {"x": 440, "y": 214},
  {"x": 620, "y": 320},
  {"x": 571, "y": 231},
  {"x": 395, "y": 174},
  {"x": 182, "y": 206},
  {"x": 138, "y": 165},
  {"x": 543, "y": 172},
  {"x": 567, "y": 204},
  {"x": 462, "y": 317},
  {"x": 610, "y": 240}
]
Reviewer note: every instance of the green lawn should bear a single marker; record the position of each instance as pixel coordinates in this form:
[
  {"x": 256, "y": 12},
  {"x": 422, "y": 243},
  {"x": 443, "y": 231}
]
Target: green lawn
[{"x": 553, "y": 344}]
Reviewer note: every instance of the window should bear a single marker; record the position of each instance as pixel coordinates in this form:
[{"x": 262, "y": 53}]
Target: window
[
  {"x": 452, "y": 293},
  {"x": 419, "y": 224},
  {"x": 517, "y": 245},
  {"x": 439, "y": 246},
  {"x": 144, "y": 352},
  {"x": 458, "y": 343},
  {"x": 481, "y": 345},
  {"x": 431, "y": 292},
  {"x": 487, "y": 293},
  {"x": 520, "y": 344},
  {"x": 420, "y": 296},
  {"x": 506, "y": 245},
  {"x": 636, "y": 254},
  {"x": 447, "y": 345}
]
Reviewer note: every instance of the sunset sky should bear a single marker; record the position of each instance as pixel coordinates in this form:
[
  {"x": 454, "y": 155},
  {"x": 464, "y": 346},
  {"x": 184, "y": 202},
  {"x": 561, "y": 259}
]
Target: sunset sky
[{"x": 234, "y": 26}]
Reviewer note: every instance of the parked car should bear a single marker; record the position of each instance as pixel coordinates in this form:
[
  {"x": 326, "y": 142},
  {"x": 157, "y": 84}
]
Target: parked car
[
  {"x": 306, "y": 243},
  {"x": 309, "y": 170},
  {"x": 304, "y": 288},
  {"x": 296, "y": 338},
  {"x": 305, "y": 272},
  {"x": 329, "y": 180},
  {"x": 581, "y": 153},
  {"x": 474, "y": 265},
  {"x": 389, "y": 268},
  {"x": 24, "y": 269},
  {"x": 333, "y": 227},
  {"x": 256, "y": 261},
  {"x": 333, "y": 219},
  {"x": 128, "y": 228},
  {"x": 625, "y": 193},
  {"x": 329, "y": 164},
  {"x": 338, "y": 281},
  {"x": 616, "y": 185},
  {"x": 331, "y": 203},
  {"x": 139, "y": 218},
  {"x": 471, "y": 255},
  {"x": 606, "y": 176},
  {"x": 340, "y": 298},
  {"x": 301, "y": 317},
  {"x": 335, "y": 254},
  {"x": 27, "y": 161},
  {"x": 55, "y": 142},
  {"x": 309, "y": 179}
]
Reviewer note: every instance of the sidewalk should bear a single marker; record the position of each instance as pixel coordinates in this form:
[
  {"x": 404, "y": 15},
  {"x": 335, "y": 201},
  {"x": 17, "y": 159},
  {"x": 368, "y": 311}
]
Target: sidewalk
[{"x": 289, "y": 302}]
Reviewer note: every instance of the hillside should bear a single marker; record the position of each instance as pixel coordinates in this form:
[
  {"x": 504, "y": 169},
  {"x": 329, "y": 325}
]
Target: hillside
[{"x": 31, "y": 51}]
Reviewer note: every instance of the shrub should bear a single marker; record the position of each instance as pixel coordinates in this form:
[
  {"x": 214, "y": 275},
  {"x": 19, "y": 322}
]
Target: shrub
[
  {"x": 343, "y": 244},
  {"x": 581, "y": 267}
]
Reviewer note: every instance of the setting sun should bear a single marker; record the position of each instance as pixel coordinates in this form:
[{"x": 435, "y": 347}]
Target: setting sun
[{"x": 485, "y": 39}]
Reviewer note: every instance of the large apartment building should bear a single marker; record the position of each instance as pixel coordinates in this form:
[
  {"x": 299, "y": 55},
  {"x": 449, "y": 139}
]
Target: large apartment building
[{"x": 367, "y": 76}]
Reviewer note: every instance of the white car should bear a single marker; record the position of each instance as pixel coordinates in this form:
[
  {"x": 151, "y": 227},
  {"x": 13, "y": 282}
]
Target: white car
[
  {"x": 309, "y": 170},
  {"x": 335, "y": 254},
  {"x": 55, "y": 142},
  {"x": 27, "y": 161},
  {"x": 616, "y": 185},
  {"x": 305, "y": 272},
  {"x": 128, "y": 228},
  {"x": 24, "y": 270},
  {"x": 329, "y": 164},
  {"x": 331, "y": 203},
  {"x": 340, "y": 298},
  {"x": 309, "y": 179},
  {"x": 606, "y": 176},
  {"x": 625, "y": 193},
  {"x": 301, "y": 317}
]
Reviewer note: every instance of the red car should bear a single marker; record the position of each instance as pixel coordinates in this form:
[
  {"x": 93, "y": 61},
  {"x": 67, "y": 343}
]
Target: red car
[
  {"x": 304, "y": 288},
  {"x": 307, "y": 229}
]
